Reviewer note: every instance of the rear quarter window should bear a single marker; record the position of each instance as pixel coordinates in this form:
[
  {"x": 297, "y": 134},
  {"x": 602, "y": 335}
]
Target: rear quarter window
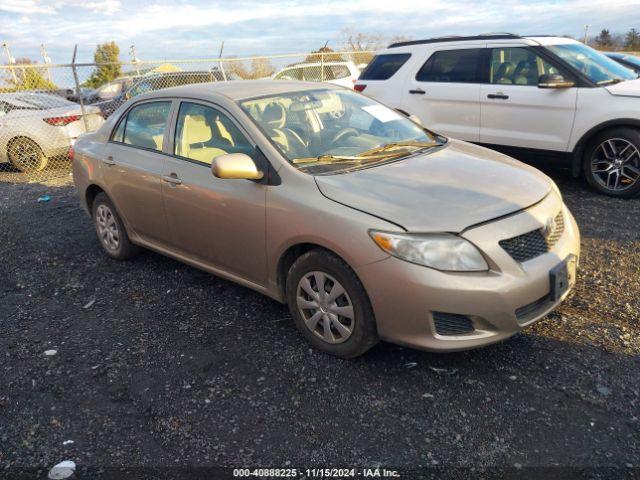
[{"x": 384, "y": 66}]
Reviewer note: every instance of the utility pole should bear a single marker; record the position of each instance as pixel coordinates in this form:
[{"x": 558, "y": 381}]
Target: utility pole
[
  {"x": 47, "y": 60},
  {"x": 586, "y": 34},
  {"x": 224, "y": 75},
  {"x": 11, "y": 62},
  {"x": 134, "y": 59}
]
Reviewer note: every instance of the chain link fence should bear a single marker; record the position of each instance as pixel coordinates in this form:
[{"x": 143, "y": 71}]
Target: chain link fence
[{"x": 44, "y": 107}]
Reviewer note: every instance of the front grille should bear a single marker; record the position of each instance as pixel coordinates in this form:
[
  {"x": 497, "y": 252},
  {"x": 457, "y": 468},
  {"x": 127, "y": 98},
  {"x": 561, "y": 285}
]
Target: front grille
[
  {"x": 531, "y": 309},
  {"x": 452, "y": 323},
  {"x": 534, "y": 243}
]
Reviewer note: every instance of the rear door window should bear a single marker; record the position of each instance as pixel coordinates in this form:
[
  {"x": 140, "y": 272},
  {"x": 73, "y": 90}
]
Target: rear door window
[
  {"x": 384, "y": 66},
  {"x": 145, "y": 125},
  {"x": 453, "y": 66}
]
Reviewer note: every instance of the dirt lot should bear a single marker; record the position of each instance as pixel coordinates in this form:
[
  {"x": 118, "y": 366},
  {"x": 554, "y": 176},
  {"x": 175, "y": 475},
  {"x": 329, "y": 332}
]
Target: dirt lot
[{"x": 170, "y": 366}]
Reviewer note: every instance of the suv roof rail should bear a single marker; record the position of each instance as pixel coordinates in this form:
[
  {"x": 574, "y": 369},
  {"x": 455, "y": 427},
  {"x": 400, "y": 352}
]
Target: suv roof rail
[{"x": 456, "y": 38}]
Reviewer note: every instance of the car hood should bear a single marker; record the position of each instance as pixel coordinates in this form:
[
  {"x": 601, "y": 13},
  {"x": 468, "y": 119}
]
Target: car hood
[
  {"x": 629, "y": 88},
  {"x": 448, "y": 189}
]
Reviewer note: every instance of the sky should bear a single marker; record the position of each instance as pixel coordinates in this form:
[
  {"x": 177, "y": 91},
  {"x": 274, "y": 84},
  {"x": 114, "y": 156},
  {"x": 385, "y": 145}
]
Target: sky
[{"x": 162, "y": 29}]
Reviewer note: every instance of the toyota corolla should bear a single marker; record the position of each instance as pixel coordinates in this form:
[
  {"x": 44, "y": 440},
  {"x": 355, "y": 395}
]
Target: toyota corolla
[{"x": 365, "y": 223}]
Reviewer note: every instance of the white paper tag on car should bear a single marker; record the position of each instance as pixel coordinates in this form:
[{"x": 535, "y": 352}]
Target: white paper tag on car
[{"x": 382, "y": 113}]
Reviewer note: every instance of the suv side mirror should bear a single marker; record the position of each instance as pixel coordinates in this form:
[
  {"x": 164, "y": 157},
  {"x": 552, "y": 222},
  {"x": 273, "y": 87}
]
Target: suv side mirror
[
  {"x": 554, "y": 80},
  {"x": 235, "y": 166}
]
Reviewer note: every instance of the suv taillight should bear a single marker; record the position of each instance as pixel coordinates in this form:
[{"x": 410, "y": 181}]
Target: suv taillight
[
  {"x": 62, "y": 121},
  {"x": 358, "y": 87}
]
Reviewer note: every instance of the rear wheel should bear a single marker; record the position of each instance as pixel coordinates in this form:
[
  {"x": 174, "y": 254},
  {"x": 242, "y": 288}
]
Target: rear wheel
[
  {"x": 25, "y": 155},
  {"x": 110, "y": 229},
  {"x": 329, "y": 305},
  {"x": 612, "y": 162}
]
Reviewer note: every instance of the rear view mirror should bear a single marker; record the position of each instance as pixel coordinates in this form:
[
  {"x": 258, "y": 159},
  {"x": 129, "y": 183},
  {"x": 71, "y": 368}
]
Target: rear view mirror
[
  {"x": 554, "y": 80},
  {"x": 235, "y": 166}
]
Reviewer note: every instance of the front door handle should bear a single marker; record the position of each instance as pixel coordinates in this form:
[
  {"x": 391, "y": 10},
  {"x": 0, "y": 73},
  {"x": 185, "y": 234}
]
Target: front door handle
[
  {"x": 172, "y": 179},
  {"x": 499, "y": 96},
  {"x": 109, "y": 160},
  {"x": 417, "y": 91}
]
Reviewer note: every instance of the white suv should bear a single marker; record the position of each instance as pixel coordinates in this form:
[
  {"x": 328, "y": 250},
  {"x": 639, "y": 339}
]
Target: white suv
[{"x": 526, "y": 96}]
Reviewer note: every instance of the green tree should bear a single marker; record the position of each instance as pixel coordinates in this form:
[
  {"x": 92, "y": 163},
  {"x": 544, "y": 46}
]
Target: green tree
[
  {"x": 28, "y": 75},
  {"x": 604, "y": 40},
  {"x": 108, "y": 65},
  {"x": 632, "y": 40}
]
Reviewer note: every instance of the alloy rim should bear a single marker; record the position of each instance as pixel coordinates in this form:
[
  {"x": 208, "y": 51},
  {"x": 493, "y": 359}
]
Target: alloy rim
[
  {"x": 25, "y": 155},
  {"x": 325, "y": 307},
  {"x": 615, "y": 164},
  {"x": 107, "y": 228}
]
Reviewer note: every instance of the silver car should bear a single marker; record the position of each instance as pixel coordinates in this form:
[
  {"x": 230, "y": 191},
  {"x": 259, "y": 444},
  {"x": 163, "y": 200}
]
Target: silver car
[
  {"x": 35, "y": 127},
  {"x": 366, "y": 224}
]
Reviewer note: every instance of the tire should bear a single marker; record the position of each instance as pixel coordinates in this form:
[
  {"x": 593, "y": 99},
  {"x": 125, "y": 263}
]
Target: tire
[
  {"x": 111, "y": 232},
  {"x": 25, "y": 155},
  {"x": 349, "y": 336},
  {"x": 611, "y": 162}
]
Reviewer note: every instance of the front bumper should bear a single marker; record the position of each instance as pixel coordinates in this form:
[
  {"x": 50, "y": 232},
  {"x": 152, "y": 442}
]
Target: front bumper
[{"x": 404, "y": 296}]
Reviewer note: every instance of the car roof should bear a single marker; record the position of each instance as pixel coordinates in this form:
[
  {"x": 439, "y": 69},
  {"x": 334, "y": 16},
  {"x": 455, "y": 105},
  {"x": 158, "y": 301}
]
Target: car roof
[
  {"x": 317, "y": 64},
  {"x": 538, "y": 39},
  {"x": 239, "y": 89}
]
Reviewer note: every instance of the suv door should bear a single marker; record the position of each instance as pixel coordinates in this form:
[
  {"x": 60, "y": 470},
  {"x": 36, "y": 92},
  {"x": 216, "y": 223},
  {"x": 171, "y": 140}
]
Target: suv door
[
  {"x": 445, "y": 92},
  {"x": 132, "y": 167},
  {"x": 219, "y": 222},
  {"x": 515, "y": 111}
]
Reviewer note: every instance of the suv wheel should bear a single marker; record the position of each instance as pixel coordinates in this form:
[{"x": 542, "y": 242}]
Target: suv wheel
[
  {"x": 110, "y": 229},
  {"x": 330, "y": 306},
  {"x": 612, "y": 162}
]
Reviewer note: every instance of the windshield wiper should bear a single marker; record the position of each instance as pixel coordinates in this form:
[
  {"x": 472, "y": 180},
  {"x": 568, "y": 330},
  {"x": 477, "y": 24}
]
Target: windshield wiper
[
  {"x": 323, "y": 159},
  {"x": 610, "y": 81},
  {"x": 393, "y": 145}
]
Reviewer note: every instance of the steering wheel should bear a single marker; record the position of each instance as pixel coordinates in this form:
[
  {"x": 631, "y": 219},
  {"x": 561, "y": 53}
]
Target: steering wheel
[{"x": 345, "y": 132}]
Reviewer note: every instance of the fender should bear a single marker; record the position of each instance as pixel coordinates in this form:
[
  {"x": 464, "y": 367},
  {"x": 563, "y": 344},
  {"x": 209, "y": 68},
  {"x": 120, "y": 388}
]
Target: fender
[{"x": 578, "y": 150}]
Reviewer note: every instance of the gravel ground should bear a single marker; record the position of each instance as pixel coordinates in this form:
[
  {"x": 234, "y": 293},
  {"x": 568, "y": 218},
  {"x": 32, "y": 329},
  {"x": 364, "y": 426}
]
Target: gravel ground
[{"x": 159, "y": 364}]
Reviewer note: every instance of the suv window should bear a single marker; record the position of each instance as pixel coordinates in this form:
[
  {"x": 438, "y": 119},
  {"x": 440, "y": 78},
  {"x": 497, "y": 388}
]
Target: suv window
[
  {"x": 383, "y": 67},
  {"x": 452, "y": 66},
  {"x": 204, "y": 133},
  {"x": 144, "y": 125},
  {"x": 517, "y": 66}
]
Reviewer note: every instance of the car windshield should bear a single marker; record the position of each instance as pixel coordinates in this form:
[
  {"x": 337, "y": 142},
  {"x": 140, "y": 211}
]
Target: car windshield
[
  {"x": 598, "y": 67},
  {"x": 110, "y": 90},
  {"x": 328, "y": 130}
]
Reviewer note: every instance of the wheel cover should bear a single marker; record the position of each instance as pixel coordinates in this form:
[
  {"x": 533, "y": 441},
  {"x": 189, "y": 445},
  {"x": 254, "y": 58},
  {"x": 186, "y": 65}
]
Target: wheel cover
[
  {"x": 24, "y": 155},
  {"x": 615, "y": 164},
  {"x": 326, "y": 307},
  {"x": 107, "y": 226}
]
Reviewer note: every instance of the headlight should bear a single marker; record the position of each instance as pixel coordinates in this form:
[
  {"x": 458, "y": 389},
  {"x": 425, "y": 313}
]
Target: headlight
[{"x": 440, "y": 251}]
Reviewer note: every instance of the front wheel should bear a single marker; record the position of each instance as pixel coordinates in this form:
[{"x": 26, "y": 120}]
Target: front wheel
[
  {"x": 329, "y": 305},
  {"x": 611, "y": 162}
]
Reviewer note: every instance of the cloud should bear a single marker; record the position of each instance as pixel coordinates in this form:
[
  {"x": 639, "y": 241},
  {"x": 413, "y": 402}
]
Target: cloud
[
  {"x": 43, "y": 7},
  {"x": 161, "y": 28}
]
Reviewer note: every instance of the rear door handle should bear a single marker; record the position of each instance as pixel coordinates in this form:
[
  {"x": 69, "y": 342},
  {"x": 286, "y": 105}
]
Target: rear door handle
[
  {"x": 499, "y": 96},
  {"x": 417, "y": 91},
  {"x": 172, "y": 179},
  {"x": 109, "y": 160}
]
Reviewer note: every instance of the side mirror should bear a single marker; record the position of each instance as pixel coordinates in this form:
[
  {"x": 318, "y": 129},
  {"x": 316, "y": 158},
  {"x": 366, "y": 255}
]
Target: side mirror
[
  {"x": 554, "y": 80},
  {"x": 235, "y": 166}
]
